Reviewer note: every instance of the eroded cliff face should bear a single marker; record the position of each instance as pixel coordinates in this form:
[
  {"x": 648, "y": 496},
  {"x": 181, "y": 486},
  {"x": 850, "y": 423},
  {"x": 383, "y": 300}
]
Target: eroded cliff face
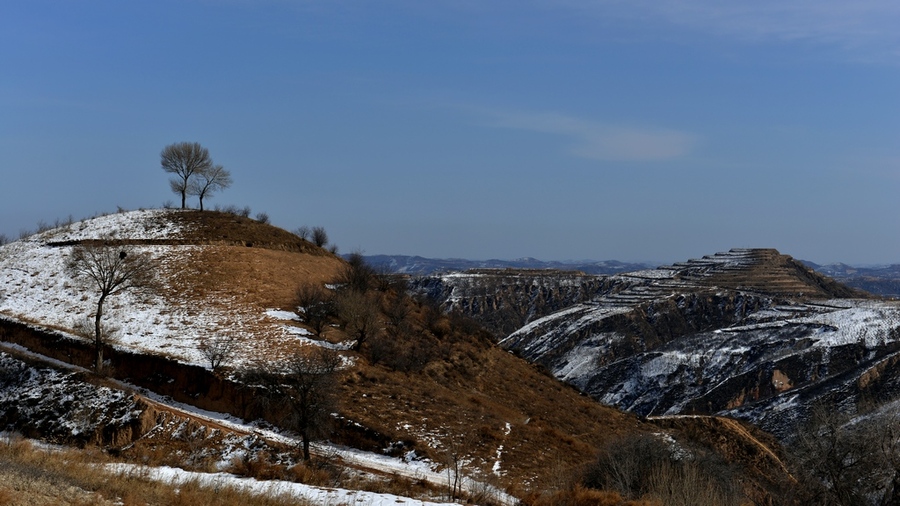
[
  {"x": 61, "y": 407},
  {"x": 747, "y": 333},
  {"x": 504, "y": 300}
]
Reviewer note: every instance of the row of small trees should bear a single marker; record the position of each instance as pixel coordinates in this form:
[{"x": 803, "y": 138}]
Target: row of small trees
[{"x": 193, "y": 171}]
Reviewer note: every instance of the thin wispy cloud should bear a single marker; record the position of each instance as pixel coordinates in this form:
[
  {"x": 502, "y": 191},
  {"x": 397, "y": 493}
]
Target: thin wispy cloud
[{"x": 598, "y": 141}]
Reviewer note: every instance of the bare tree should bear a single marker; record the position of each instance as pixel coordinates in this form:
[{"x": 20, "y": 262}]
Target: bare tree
[
  {"x": 303, "y": 232},
  {"x": 357, "y": 275},
  {"x": 207, "y": 181},
  {"x": 315, "y": 306},
  {"x": 218, "y": 350},
  {"x": 111, "y": 269},
  {"x": 184, "y": 160},
  {"x": 300, "y": 391},
  {"x": 834, "y": 452},
  {"x": 319, "y": 236},
  {"x": 851, "y": 460},
  {"x": 669, "y": 472},
  {"x": 359, "y": 316}
]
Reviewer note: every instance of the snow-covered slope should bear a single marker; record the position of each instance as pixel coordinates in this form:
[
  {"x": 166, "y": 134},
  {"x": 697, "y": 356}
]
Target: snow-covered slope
[{"x": 188, "y": 305}]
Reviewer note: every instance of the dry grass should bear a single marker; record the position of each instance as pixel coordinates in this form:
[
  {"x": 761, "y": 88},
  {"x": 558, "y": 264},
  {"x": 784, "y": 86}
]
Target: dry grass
[
  {"x": 214, "y": 227},
  {"x": 477, "y": 399},
  {"x": 32, "y": 476}
]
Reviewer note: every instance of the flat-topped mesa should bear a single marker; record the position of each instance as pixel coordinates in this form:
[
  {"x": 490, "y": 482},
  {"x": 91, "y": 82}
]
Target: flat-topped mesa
[{"x": 763, "y": 270}]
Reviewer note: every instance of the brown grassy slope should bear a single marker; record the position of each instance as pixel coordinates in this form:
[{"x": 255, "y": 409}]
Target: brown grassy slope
[
  {"x": 242, "y": 268},
  {"x": 214, "y": 227},
  {"x": 494, "y": 409},
  {"x": 464, "y": 403},
  {"x": 463, "y": 400},
  {"x": 248, "y": 261},
  {"x": 261, "y": 278}
]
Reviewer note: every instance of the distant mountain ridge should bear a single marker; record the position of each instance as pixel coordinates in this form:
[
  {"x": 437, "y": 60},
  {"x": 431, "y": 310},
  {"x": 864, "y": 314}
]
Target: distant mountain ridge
[
  {"x": 881, "y": 280},
  {"x": 421, "y": 266},
  {"x": 878, "y": 280}
]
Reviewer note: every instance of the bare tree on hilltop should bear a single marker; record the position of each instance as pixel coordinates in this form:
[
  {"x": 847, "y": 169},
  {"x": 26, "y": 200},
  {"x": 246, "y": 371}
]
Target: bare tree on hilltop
[
  {"x": 208, "y": 181},
  {"x": 184, "y": 160},
  {"x": 111, "y": 269}
]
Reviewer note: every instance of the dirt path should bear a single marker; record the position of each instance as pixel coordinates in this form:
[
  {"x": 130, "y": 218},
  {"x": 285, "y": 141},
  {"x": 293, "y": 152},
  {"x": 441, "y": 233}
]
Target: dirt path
[
  {"x": 739, "y": 429},
  {"x": 735, "y": 427}
]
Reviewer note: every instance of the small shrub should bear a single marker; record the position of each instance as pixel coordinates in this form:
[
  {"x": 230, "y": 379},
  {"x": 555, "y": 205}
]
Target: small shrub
[
  {"x": 319, "y": 236},
  {"x": 262, "y": 218}
]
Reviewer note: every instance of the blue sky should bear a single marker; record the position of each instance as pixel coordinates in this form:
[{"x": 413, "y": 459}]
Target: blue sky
[{"x": 573, "y": 129}]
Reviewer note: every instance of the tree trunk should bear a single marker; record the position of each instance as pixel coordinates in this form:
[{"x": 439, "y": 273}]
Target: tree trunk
[
  {"x": 184, "y": 200},
  {"x": 305, "y": 437},
  {"x": 98, "y": 336}
]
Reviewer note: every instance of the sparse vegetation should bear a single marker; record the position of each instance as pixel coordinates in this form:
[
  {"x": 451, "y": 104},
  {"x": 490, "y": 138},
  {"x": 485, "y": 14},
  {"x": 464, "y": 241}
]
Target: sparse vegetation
[
  {"x": 420, "y": 379},
  {"x": 243, "y": 212},
  {"x": 646, "y": 467}
]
